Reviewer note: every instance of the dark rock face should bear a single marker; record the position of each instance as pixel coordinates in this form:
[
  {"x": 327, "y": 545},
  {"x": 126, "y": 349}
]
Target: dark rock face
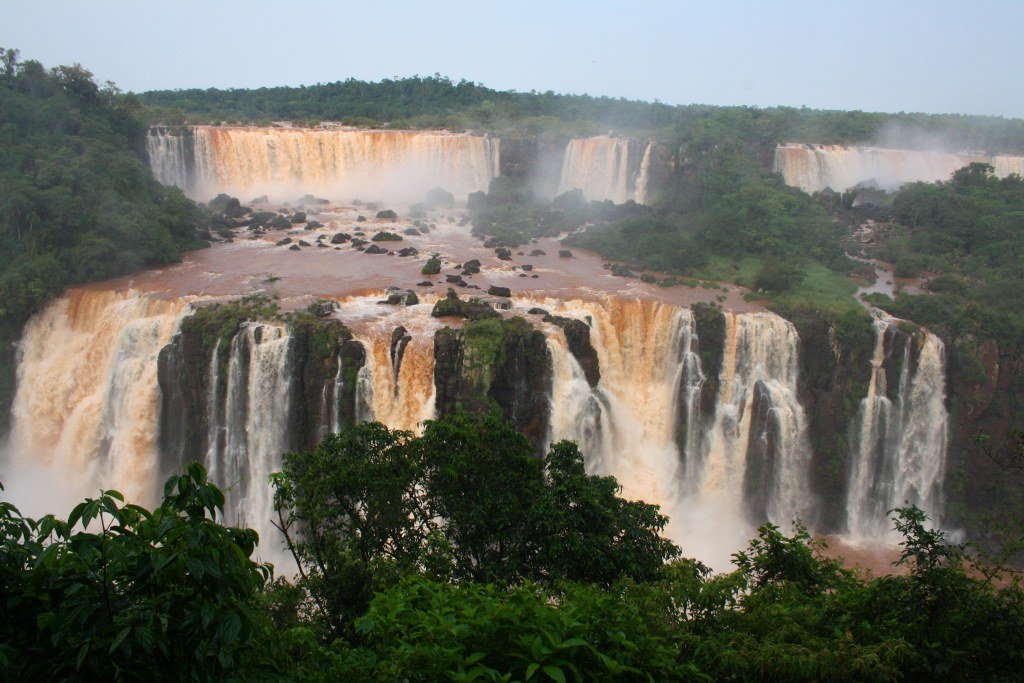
[
  {"x": 471, "y": 267},
  {"x": 516, "y": 379},
  {"x": 472, "y": 309},
  {"x": 565, "y": 253},
  {"x": 374, "y": 249},
  {"x": 340, "y": 238},
  {"x": 986, "y": 397},
  {"x": 495, "y": 290},
  {"x": 834, "y": 375},
  {"x": 760, "y": 456},
  {"x": 317, "y": 347},
  {"x": 577, "y": 337}
]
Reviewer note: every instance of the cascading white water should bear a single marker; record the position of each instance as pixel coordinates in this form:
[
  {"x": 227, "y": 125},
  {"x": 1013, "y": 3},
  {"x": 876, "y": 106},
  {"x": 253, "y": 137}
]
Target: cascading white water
[
  {"x": 759, "y": 357},
  {"x": 87, "y": 409},
  {"x": 256, "y": 418},
  {"x": 400, "y": 397},
  {"x": 812, "y": 168},
  {"x": 168, "y": 157},
  {"x": 603, "y": 168},
  {"x": 899, "y": 456},
  {"x": 626, "y": 425},
  {"x": 337, "y": 163}
]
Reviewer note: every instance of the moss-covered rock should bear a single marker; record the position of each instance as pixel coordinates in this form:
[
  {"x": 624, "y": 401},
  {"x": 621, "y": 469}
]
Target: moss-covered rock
[
  {"x": 493, "y": 364},
  {"x": 470, "y": 309}
]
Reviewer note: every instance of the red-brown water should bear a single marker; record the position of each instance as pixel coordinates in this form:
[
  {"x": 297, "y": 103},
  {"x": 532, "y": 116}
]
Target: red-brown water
[{"x": 250, "y": 265}]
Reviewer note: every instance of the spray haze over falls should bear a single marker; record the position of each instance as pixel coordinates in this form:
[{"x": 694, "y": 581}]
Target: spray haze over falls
[
  {"x": 344, "y": 163},
  {"x": 714, "y": 429},
  {"x": 710, "y": 414}
]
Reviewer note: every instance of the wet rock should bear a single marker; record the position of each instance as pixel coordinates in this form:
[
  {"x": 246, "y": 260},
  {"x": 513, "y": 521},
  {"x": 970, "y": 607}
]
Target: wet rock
[
  {"x": 411, "y": 232},
  {"x": 527, "y": 266},
  {"x": 537, "y": 311},
  {"x": 471, "y": 267},
  {"x": 620, "y": 270},
  {"x": 304, "y": 243},
  {"x": 453, "y": 278},
  {"x": 538, "y": 252},
  {"x": 503, "y": 253},
  {"x": 535, "y": 276},
  {"x": 340, "y": 238},
  {"x": 359, "y": 242},
  {"x": 495, "y": 290},
  {"x": 408, "y": 251},
  {"x": 283, "y": 241},
  {"x": 565, "y": 253},
  {"x": 374, "y": 249},
  {"x": 577, "y": 337},
  {"x": 323, "y": 309},
  {"x": 454, "y": 307},
  {"x": 404, "y": 297},
  {"x": 322, "y": 245},
  {"x": 294, "y": 247},
  {"x": 425, "y": 283}
]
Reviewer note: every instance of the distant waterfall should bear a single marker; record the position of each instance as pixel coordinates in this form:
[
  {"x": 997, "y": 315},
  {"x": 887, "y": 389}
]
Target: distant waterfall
[
  {"x": 340, "y": 164},
  {"x": 170, "y": 157},
  {"x": 606, "y": 168},
  {"x": 899, "y": 456},
  {"x": 814, "y": 167}
]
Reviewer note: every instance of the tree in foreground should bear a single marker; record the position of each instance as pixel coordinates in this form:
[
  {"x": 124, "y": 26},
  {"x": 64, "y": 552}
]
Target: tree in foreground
[
  {"x": 466, "y": 501},
  {"x": 119, "y": 592}
]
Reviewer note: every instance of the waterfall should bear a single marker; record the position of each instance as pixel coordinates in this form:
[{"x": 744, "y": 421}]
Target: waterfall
[
  {"x": 87, "y": 409},
  {"x": 644, "y": 179},
  {"x": 339, "y": 164},
  {"x": 814, "y": 167},
  {"x": 626, "y": 425},
  {"x": 169, "y": 157},
  {"x": 214, "y": 425},
  {"x": 900, "y": 450},
  {"x": 753, "y": 457},
  {"x": 605, "y": 168},
  {"x": 256, "y": 426},
  {"x": 397, "y": 393}
]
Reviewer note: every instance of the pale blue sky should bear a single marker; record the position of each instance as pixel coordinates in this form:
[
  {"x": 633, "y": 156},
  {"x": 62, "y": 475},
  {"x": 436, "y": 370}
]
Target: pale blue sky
[{"x": 935, "y": 56}]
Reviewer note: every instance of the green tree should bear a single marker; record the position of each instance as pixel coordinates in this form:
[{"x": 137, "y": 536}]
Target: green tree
[{"x": 119, "y": 592}]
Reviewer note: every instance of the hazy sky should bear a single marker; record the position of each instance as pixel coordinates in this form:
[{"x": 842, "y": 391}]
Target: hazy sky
[{"x": 963, "y": 56}]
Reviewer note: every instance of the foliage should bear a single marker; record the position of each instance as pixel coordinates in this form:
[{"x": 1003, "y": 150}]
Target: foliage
[
  {"x": 76, "y": 203},
  {"x": 432, "y": 266},
  {"x": 969, "y": 233},
  {"x": 438, "y": 102},
  {"x": 466, "y": 501},
  {"x": 119, "y": 592}
]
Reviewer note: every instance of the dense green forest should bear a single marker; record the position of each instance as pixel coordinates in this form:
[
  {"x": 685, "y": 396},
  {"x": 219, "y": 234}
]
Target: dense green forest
[
  {"x": 967, "y": 236},
  {"x": 438, "y": 102},
  {"x": 76, "y": 201},
  {"x": 459, "y": 555}
]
